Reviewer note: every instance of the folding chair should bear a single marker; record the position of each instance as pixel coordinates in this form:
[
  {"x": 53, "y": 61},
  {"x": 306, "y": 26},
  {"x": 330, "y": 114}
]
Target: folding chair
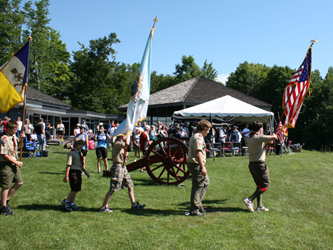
[
  {"x": 29, "y": 147},
  {"x": 227, "y": 148},
  {"x": 236, "y": 146},
  {"x": 217, "y": 148}
]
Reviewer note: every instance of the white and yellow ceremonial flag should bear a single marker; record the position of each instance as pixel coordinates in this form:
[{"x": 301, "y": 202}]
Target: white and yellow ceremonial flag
[
  {"x": 13, "y": 79},
  {"x": 138, "y": 104}
]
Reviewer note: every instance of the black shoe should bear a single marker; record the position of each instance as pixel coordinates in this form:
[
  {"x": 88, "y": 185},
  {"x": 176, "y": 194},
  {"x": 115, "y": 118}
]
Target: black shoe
[
  {"x": 202, "y": 210},
  {"x": 6, "y": 211},
  {"x": 76, "y": 208},
  {"x": 138, "y": 206},
  {"x": 196, "y": 213}
]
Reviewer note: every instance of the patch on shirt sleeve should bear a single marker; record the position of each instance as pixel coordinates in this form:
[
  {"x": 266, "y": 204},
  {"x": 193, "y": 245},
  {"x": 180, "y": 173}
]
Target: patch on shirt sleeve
[
  {"x": 3, "y": 142},
  {"x": 199, "y": 142}
]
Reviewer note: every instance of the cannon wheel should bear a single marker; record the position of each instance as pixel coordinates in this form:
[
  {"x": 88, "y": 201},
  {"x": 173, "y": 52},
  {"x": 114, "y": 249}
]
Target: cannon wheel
[{"x": 168, "y": 164}]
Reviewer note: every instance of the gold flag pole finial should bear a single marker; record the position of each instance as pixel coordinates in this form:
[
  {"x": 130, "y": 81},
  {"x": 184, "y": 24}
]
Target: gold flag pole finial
[
  {"x": 155, "y": 21},
  {"x": 313, "y": 41},
  {"x": 153, "y": 28}
]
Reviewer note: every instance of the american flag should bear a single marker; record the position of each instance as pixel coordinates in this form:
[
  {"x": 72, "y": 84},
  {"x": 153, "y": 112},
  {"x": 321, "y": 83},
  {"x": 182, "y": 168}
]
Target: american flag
[
  {"x": 279, "y": 133},
  {"x": 296, "y": 90}
]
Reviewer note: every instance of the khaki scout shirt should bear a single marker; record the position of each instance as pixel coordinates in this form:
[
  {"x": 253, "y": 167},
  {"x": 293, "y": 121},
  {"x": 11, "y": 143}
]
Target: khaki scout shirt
[
  {"x": 74, "y": 159},
  {"x": 118, "y": 152},
  {"x": 8, "y": 146},
  {"x": 197, "y": 142},
  {"x": 256, "y": 145}
]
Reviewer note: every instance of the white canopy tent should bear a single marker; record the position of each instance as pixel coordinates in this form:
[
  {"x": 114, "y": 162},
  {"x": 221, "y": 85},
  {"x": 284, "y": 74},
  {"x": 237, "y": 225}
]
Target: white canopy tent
[{"x": 226, "y": 109}]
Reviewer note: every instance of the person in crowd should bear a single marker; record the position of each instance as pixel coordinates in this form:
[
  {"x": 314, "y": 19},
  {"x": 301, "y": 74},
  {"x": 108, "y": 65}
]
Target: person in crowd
[
  {"x": 33, "y": 137},
  {"x": 144, "y": 143},
  {"x": 77, "y": 130},
  {"x": 177, "y": 132},
  {"x": 235, "y": 135},
  {"x": 223, "y": 134},
  {"x": 257, "y": 166},
  {"x": 187, "y": 131},
  {"x": 19, "y": 128},
  {"x": 102, "y": 148},
  {"x": 136, "y": 143},
  {"x": 84, "y": 136},
  {"x": 152, "y": 134},
  {"x": 40, "y": 131},
  {"x": 196, "y": 165},
  {"x": 86, "y": 127},
  {"x": 164, "y": 130},
  {"x": 28, "y": 128},
  {"x": 120, "y": 177},
  {"x": 90, "y": 134},
  {"x": 9, "y": 165},
  {"x": 47, "y": 134},
  {"x": 4, "y": 122},
  {"x": 246, "y": 134},
  {"x": 144, "y": 125},
  {"x": 74, "y": 168},
  {"x": 61, "y": 130}
]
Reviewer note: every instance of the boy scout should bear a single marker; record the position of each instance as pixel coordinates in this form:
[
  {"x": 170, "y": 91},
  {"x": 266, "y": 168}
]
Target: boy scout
[
  {"x": 257, "y": 166},
  {"x": 196, "y": 165},
  {"x": 9, "y": 166},
  {"x": 120, "y": 177}
]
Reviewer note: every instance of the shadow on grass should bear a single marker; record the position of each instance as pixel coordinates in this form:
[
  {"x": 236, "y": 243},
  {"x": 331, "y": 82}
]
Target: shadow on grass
[
  {"x": 52, "y": 173},
  {"x": 214, "y": 209},
  {"x": 152, "y": 212},
  {"x": 42, "y": 207}
]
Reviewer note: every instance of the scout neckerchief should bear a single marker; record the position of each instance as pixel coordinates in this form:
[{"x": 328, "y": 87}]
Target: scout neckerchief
[{"x": 14, "y": 142}]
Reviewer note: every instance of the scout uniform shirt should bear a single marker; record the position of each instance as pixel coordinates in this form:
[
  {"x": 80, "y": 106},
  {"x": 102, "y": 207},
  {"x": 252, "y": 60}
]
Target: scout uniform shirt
[
  {"x": 75, "y": 159},
  {"x": 256, "y": 145},
  {"x": 118, "y": 152},
  {"x": 8, "y": 146},
  {"x": 197, "y": 142}
]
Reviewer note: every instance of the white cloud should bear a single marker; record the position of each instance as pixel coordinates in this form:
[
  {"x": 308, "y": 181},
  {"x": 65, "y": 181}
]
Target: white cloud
[{"x": 223, "y": 78}]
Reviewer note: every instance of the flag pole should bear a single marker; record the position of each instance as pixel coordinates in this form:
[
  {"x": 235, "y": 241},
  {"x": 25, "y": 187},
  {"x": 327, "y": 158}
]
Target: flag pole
[
  {"x": 283, "y": 113},
  {"x": 25, "y": 82},
  {"x": 23, "y": 119}
]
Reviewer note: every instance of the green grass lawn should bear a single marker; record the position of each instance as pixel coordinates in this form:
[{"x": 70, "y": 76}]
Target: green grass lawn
[{"x": 300, "y": 202}]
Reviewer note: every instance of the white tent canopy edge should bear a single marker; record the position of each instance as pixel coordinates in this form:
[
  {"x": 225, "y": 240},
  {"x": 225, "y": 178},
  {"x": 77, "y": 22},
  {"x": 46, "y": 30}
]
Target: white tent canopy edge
[{"x": 226, "y": 109}]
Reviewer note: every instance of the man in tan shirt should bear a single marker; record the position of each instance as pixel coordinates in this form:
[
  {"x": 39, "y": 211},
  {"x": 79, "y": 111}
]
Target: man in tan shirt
[
  {"x": 259, "y": 170},
  {"x": 196, "y": 164}
]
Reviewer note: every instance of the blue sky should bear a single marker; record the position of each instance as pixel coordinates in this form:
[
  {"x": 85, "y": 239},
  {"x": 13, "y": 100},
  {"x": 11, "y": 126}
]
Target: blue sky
[{"x": 225, "y": 33}]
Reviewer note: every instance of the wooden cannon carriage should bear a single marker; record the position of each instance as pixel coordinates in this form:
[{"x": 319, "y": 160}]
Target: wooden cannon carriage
[{"x": 165, "y": 161}]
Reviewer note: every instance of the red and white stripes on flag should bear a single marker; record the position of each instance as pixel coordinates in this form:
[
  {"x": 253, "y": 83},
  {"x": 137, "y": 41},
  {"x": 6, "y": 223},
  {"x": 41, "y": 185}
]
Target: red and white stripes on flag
[
  {"x": 279, "y": 133},
  {"x": 296, "y": 90}
]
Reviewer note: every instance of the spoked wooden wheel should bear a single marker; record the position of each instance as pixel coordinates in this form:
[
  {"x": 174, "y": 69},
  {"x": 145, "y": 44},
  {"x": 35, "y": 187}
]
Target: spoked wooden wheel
[{"x": 166, "y": 161}]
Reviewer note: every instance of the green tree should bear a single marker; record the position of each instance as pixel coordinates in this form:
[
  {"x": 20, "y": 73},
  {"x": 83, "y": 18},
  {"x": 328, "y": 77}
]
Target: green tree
[
  {"x": 248, "y": 78},
  {"x": 37, "y": 21},
  {"x": 11, "y": 21},
  {"x": 95, "y": 85},
  {"x": 208, "y": 71},
  {"x": 272, "y": 87},
  {"x": 187, "y": 70}
]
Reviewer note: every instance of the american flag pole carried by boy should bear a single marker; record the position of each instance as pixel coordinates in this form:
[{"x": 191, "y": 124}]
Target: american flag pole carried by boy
[{"x": 294, "y": 95}]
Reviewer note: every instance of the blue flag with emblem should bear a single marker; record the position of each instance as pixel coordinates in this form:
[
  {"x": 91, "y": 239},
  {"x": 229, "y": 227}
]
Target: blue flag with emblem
[
  {"x": 138, "y": 105},
  {"x": 13, "y": 79}
]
